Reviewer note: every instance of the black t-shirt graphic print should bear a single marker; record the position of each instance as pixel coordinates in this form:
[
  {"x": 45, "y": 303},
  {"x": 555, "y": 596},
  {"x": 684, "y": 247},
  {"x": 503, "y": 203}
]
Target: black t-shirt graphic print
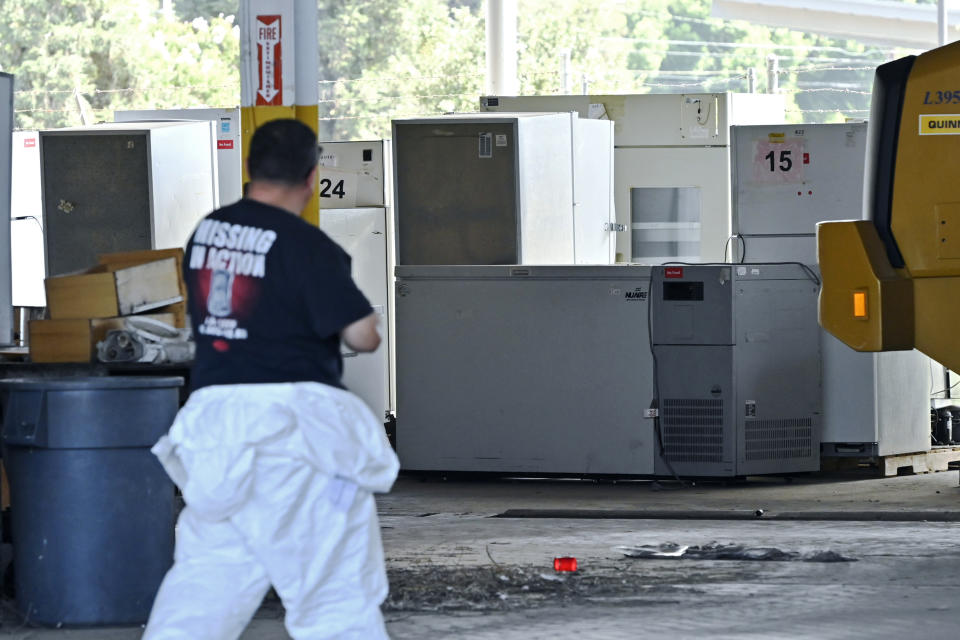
[{"x": 268, "y": 296}]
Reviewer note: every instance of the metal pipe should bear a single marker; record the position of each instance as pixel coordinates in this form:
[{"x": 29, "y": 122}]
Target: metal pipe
[
  {"x": 25, "y": 328},
  {"x": 306, "y": 52},
  {"x": 942, "y": 22},
  {"x": 502, "y": 47},
  {"x": 565, "y": 72},
  {"x": 773, "y": 74}
]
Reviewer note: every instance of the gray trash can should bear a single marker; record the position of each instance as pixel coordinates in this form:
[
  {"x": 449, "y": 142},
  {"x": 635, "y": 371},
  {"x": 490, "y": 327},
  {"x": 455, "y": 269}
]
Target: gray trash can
[{"x": 92, "y": 510}]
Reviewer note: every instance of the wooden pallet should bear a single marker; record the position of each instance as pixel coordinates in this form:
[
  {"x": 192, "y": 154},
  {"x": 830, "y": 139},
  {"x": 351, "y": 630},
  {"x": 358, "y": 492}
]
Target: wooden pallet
[{"x": 937, "y": 459}]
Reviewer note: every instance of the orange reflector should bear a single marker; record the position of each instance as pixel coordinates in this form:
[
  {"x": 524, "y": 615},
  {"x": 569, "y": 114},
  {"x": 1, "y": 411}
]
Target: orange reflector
[
  {"x": 859, "y": 304},
  {"x": 565, "y": 564}
]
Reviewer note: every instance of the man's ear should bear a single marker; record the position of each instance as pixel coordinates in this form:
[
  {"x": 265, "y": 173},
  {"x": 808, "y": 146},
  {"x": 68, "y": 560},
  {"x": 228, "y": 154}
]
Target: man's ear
[{"x": 312, "y": 179}]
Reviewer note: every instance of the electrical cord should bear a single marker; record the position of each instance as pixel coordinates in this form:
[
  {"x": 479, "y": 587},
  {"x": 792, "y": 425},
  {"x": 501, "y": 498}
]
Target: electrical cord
[
  {"x": 34, "y": 218},
  {"x": 741, "y": 242},
  {"x": 950, "y": 388},
  {"x": 706, "y": 118}
]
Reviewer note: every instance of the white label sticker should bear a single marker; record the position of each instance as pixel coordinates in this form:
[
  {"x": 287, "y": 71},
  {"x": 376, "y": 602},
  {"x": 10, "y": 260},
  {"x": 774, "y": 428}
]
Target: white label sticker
[
  {"x": 327, "y": 159},
  {"x": 754, "y": 272},
  {"x": 741, "y": 271},
  {"x": 779, "y": 162},
  {"x": 596, "y": 111},
  {"x": 501, "y": 139},
  {"x": 486, "y": 145},
  {"x": 699, "y": 133},
  {"x": 337, "y": 189}
]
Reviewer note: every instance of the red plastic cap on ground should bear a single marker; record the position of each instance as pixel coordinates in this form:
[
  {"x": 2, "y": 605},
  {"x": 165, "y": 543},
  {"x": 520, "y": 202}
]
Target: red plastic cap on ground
[{"x": 565, "y": 564}]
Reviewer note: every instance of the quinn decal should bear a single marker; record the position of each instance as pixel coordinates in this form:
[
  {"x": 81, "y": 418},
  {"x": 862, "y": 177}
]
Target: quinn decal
[{"x": 945, "y": 124}]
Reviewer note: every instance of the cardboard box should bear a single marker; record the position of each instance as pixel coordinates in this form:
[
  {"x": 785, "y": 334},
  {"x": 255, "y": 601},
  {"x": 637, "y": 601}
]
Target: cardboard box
[
  {"x": 104, "y": 293},
  {"x": 123, "y": 260},
  {"x": 179, "y": 313},
  {"x": 115, "y": 261},
  {"x": 74, "y": 340}
]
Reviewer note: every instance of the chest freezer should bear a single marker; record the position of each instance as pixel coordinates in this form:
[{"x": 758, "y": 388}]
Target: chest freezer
[{"x": 524, "y": 369}]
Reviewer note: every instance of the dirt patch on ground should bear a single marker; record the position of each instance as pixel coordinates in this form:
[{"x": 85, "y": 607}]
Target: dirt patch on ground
[{"x": 503, "y": 587}]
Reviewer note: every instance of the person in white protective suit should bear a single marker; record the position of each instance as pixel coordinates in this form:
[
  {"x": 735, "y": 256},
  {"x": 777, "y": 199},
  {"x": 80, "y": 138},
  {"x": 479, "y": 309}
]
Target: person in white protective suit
[{"x": 277, "y": 462}]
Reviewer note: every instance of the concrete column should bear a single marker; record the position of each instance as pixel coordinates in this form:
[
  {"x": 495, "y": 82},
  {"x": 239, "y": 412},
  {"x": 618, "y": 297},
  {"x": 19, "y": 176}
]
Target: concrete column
[{"x": 502, "y": 47}]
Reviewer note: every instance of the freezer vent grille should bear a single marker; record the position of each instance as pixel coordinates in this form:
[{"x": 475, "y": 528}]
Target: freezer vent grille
[
  {"x": 692, "y": 430},
  {"x": 779, "y": 439}
]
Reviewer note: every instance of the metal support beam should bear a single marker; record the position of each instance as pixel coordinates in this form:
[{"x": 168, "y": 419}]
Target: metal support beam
[
  {"x": 883, "y": 22},
  {"x": 502, "y": 48},
  {"x": 773, "y": 74}
]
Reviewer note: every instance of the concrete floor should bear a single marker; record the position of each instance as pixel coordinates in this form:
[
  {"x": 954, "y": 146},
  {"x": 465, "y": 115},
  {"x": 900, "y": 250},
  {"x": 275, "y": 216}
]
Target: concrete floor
[{"x": 456, "y": 572}]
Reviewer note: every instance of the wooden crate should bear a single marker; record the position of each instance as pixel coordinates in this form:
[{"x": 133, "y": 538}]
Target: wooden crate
[
  {"x": 101, "y": 293},
  {"x": 115, "y": 261},
  {"x": 123, "y": 260},
  {"x": 936, "y": 459},
  {"x": 74, "y": 340}
]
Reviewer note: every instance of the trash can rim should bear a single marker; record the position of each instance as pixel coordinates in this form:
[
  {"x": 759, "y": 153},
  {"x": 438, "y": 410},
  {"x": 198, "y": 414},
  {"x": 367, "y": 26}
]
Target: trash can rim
[{"x": 79, "y": 383}]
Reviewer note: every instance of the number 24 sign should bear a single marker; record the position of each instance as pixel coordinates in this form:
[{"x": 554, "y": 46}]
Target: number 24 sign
[
  {"x": 778, "y": 162},
  {"x": 337, "y": 189}
]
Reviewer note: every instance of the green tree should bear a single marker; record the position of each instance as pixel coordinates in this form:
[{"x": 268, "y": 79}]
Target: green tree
[
  {"x": 379, "y": 59},
  {"x": 386, "y": 59},
  {"x": 188, "y": 10},
  {"x": 110, "y": 55},
  {"x": 730, "y": 48}
]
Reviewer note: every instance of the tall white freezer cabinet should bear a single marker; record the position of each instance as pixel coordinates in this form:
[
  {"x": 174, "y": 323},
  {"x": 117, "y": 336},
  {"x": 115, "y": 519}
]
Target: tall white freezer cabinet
[
  {"x": 124, "y": 187},
  {"x": 503, "y": 188},
  {"x": 229, "y": 151},
  {"x": 355, "y": 197},
  {"x": 26, "y": 222},
  {"x": 785, "y": 180},
  {"x": 6, "y": 143},
  {"x": 362, "y": 232},
  {"x": 672, "y": 164}
]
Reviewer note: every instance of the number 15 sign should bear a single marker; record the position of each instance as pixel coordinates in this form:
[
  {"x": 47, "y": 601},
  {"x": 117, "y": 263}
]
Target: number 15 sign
[{"x": 778, "y": 161}]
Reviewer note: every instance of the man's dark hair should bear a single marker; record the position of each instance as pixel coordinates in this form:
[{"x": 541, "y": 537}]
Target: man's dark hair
[{"x": 282, "y": 151}]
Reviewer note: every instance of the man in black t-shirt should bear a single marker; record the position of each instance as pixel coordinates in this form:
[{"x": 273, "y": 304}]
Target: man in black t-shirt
[
  {"x": 271, "y": 295},
  {"x": 277, "y": 462}
]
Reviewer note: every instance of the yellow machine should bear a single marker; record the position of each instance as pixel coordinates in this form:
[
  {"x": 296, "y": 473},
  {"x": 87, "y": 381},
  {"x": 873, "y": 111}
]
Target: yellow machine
[{"x": 892, "y": 282}]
